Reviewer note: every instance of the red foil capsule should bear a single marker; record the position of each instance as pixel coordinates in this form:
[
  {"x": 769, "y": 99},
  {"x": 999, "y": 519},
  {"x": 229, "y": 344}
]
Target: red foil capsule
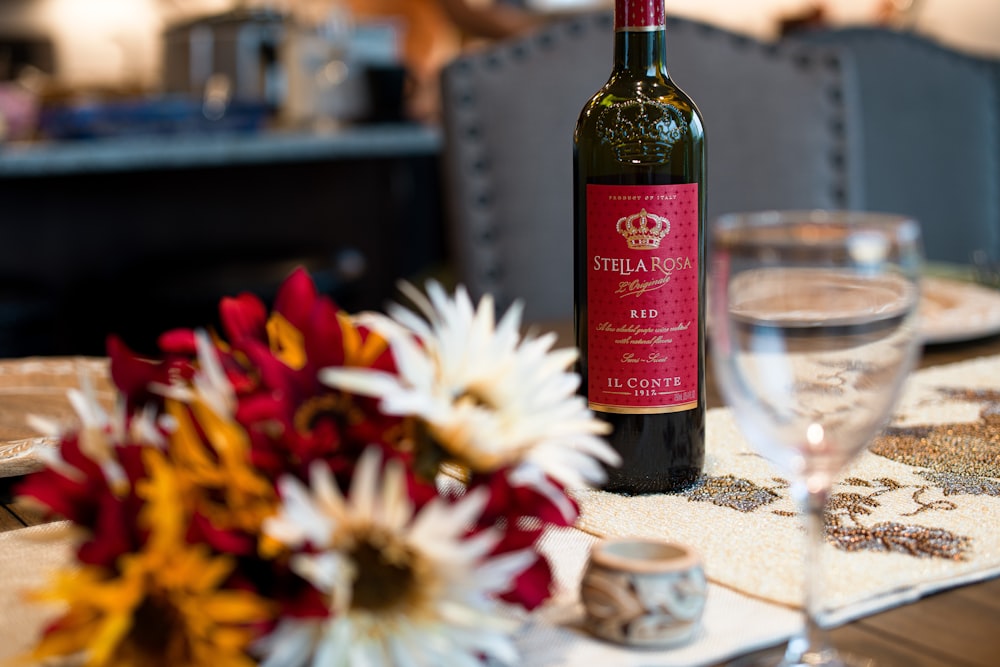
[{"x": 639, "y": 14}]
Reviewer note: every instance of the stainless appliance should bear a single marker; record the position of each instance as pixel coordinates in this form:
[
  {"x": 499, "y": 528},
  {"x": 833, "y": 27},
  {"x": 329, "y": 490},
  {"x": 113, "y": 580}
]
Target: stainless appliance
[
  {"x": 235, "y": 54},
  {"x": 333, "y": 69}
]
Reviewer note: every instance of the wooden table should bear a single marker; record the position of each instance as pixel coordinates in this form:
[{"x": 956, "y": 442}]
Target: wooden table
[{"x": 953, "y": 628}]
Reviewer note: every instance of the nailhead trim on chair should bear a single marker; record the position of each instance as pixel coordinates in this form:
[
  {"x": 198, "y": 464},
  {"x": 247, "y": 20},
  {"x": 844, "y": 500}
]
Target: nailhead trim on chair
[{"x": 459, "y": 85}]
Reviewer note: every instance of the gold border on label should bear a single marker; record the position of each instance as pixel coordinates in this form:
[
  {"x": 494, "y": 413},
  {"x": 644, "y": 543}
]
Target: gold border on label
[{"x": 664, "y": 409}]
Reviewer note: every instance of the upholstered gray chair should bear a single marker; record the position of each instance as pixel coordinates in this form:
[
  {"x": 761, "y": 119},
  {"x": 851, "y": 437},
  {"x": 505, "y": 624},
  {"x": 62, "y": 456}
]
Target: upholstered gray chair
[
  {"x": 775, "y": 132},
  {"x": 930, "y": 122}
]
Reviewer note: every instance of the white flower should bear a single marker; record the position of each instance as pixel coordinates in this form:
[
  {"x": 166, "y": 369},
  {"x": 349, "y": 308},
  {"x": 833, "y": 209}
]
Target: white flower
[
  {"x": 403, "y": 588},
  {"x": 209, "y": 384},
  {"x": 489, "y": 398}
]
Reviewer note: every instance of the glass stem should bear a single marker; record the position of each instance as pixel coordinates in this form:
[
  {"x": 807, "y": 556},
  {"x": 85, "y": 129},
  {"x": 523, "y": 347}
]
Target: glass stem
[{"x": 811, "y": 645}]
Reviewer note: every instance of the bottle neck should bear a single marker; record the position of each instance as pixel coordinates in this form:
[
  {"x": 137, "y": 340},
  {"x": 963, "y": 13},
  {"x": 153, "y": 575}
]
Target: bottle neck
[{"x": 640, "y": 38}]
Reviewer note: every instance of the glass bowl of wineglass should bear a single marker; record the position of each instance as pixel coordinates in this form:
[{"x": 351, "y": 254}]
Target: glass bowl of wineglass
[{"x": 814, "y": 330}]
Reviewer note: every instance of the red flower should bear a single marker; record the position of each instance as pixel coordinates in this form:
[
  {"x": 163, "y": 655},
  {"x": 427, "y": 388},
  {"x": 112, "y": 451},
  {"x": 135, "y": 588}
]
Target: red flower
[
  {"x": 136, "y": 377},
  {"x": 81, "y": 492},
  {"x": 523, "y": 514},
  {"x": 293, "y": 418},
  {"x": 272, "y": 361}
]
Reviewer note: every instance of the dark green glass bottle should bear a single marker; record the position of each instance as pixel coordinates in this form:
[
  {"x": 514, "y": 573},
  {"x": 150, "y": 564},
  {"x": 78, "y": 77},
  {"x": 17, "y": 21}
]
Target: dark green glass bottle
[{"x": 639, "y": 249}]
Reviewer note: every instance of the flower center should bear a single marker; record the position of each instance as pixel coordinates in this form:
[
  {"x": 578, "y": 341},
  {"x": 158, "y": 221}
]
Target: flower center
[
  {"x": 430, "y": 455},
  {"x": 390, "y": 574},
  {"x": 454, "y": 443},
  {"x": 330, "y": 406},
  {"x": 158, "y": 635},
  {"x": 477, "y": 397}
]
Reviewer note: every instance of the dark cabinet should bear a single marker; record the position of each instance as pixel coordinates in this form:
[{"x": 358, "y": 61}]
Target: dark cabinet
[{"x": 153, "y": 241}]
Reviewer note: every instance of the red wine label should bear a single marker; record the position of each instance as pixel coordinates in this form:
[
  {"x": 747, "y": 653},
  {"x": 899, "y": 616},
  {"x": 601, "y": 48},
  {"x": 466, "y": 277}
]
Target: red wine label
[
  {"x": 642, "y": 297},
  {"x": 639, "y": 14}
]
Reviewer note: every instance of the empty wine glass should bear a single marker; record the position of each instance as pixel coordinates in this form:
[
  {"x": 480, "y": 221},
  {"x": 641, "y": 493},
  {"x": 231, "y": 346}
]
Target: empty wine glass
[{"x": 813, "y": 331}]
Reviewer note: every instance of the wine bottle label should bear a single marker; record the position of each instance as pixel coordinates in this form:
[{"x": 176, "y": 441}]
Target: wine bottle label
[
  {"x": 642, "y": 297},
  {"x": 639, "y": 14}
]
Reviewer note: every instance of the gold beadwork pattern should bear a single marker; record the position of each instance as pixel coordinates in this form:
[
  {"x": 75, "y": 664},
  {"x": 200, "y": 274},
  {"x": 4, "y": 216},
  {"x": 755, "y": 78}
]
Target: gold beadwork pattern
[
  {"x": 845, "y": 513},
  {"x": 961, "y": 459},
  {"x": 955, "y": 483},
  {"x": 846, "y": 529},
  {"x": 969, "y": 449},
  {"x": 733, "y": 492},
  {"x": 900, "y": 538}
]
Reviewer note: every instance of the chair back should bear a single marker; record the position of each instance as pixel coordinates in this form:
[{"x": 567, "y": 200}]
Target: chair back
[
  {"x": 930, "y": 120},
  {"x": 775, "y": 136}
]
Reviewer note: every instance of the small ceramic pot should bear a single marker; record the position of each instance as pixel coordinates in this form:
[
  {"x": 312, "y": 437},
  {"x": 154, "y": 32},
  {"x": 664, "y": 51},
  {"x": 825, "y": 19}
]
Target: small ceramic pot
[{"x": 643, "y": 592}]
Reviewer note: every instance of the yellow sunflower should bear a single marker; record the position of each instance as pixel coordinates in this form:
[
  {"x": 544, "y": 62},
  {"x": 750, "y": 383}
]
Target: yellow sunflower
[
  {"x": 164, "y": 605},
  {"x": 211, "y": 450}
]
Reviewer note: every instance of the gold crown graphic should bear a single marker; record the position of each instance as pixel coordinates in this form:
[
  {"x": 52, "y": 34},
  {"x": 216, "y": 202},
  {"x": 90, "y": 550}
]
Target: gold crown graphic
[{"x": 642, "y": 230}]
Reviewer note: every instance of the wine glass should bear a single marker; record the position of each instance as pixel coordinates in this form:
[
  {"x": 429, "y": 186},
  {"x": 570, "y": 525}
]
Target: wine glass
[{"x": 813, "y": 331}]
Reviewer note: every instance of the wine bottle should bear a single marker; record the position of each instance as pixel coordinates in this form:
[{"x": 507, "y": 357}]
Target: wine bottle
[{"x": 639, "y": 255}]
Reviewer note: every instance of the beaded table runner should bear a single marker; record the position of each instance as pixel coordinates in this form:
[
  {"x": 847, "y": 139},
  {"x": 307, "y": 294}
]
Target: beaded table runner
[
  {"x": 27, "y": 559},
  {"x": 917, "y": 512}
]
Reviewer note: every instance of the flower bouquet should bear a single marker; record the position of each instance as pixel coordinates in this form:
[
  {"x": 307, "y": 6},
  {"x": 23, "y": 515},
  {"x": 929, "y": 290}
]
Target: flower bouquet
[{"x": 308, "y": 487}]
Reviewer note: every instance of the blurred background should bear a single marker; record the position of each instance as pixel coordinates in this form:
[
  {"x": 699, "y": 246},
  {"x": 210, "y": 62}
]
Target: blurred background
[
  {"x": 158, "y": 154},
  {"x": 122, "y": 44}
]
